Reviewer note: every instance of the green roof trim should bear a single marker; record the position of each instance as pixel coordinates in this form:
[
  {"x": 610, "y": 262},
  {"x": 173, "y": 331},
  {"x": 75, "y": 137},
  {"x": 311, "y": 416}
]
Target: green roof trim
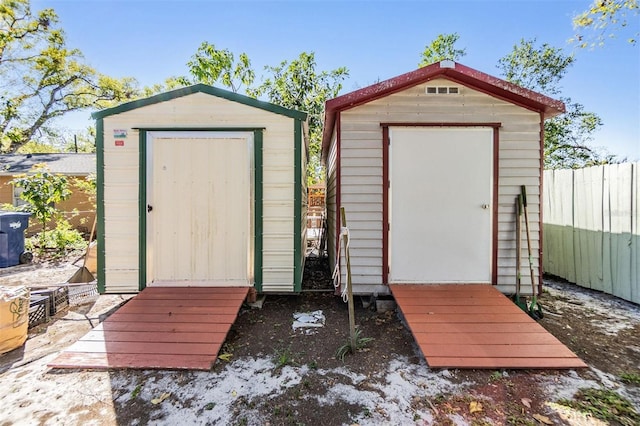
[{"x": 201, "y": 88}]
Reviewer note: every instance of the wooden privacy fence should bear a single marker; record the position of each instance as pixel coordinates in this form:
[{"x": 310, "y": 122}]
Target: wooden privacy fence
[{"x": 591, "y": 227}]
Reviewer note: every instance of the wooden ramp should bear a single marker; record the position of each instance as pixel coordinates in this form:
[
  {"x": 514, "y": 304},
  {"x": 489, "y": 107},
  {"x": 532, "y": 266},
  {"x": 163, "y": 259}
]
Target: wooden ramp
[
  {"x": 160, "y": 328},
  {"x": 476, "y": 326}
]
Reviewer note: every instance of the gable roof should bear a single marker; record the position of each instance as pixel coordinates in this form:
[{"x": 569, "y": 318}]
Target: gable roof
[
  {"x": 66, "y": 164},
  {"x": 201, "y": 88},
  {"x": 449, "y": 70}
]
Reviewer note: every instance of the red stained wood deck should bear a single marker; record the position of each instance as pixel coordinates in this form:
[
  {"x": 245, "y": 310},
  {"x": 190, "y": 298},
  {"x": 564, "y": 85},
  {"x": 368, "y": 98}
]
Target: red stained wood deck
[
  {"x": 476, "y": 326},
  {"x": 160, "y": 328}
]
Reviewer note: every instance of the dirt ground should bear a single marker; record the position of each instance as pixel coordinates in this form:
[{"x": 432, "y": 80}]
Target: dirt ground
[{"x": 272, "y": 374}]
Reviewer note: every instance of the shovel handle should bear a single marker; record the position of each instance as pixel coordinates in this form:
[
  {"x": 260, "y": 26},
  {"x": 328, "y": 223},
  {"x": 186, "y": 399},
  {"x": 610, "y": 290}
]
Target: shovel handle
[{"x": 528, "y": 232}]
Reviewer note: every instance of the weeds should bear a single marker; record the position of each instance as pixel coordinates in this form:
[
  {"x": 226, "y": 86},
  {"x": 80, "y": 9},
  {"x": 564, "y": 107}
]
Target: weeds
[
  {"x": 60, "y": 240},
  {"x": 283, "y": 358},
  {"x": 361, "y": 342},
  {"x": 632, "y": 378},
  {"x": 604, "y": 404},
  {"x": 495, "y": 376},
  {"x": 136, "y": 391},
  {"x": 514, "y": 420}
]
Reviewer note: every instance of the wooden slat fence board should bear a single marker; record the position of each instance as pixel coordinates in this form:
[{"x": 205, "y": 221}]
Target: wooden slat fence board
[{"x": 591, "y": 233}]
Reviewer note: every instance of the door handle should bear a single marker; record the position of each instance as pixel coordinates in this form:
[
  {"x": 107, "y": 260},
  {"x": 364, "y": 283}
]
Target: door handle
[
  {"x": 149, "y": 208},
  {"x": 485, "y": 206}
]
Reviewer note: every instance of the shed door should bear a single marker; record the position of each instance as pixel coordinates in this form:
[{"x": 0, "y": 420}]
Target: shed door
[
  {"x": 439, "y": 205},
  {"x": 199, "y": 228}
]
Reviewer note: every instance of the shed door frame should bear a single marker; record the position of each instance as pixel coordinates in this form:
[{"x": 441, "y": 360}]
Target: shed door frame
[
  {"x": 386, "y": 180},
  {"x": 145, "y": 156}
]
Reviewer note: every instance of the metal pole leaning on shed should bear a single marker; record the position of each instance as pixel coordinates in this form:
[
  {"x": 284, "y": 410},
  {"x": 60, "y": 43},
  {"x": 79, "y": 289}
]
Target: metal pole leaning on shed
[{"x": 352, "y": 319}]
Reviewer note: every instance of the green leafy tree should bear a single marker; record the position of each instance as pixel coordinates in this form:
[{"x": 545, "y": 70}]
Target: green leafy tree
[
  {"x": 606, "y": 17},
  {"x": 41, "y": 190},
  {"x": 36, "y": 147},
  {"x": 89, "y": 186},
  {"x": 43, "y": 79},
  {"x": 297, "y": 84},
  {"x": 567, "y": 137},
  {"x": 443, "y": 47},
  {"x": 171, "y": 83},
  {"x": 536, "y": 68},
  {"x": 79, "y": 141},
  {"x": 210, "y": 65}
]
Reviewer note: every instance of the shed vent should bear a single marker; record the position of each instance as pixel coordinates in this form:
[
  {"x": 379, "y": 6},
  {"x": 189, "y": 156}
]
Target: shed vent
[{"x": 442, "y": 90}]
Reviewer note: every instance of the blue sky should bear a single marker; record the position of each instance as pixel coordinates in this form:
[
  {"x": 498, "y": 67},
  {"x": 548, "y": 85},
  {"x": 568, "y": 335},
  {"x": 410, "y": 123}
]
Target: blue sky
[{"x": 153, "y": 39}]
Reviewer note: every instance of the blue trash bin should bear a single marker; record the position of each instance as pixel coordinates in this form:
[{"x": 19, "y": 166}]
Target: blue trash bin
[{"x": 12, "y": 227}]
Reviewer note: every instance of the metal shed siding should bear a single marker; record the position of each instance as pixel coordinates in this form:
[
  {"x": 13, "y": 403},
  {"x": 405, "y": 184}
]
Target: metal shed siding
[
  {"x": 301, "y": 202},
  {"x": 330, "y": 200},
  {"x": 361, "y": 170},
  {"x": 198, "y": 110}
]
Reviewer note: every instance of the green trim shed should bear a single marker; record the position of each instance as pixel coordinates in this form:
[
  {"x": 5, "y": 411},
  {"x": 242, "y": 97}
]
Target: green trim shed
[{"x": 201, "y": 187}]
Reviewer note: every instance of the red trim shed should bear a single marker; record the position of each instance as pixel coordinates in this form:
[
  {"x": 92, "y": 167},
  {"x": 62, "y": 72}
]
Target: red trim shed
[{"x": 427, "y": 165}]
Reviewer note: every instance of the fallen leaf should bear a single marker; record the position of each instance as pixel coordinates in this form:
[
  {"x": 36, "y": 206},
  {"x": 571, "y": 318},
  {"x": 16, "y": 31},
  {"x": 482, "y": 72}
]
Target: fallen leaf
[
  {"x": 225, "y": 357},
  {"x": 543, "y": 419},
  {"x": 234, "y": 393},
  {"x": 475, "y": 407},
  {"x": 156, "y": 401},
  {"x": 526, "y": 402}
]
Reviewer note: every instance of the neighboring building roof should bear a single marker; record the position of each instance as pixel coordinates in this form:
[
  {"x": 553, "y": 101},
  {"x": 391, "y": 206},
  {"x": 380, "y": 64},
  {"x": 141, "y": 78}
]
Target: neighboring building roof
[
  {"x": 201, "y": 88},
  {"x": 449, "y": 70},
  {"x": 67, "y": 164}
]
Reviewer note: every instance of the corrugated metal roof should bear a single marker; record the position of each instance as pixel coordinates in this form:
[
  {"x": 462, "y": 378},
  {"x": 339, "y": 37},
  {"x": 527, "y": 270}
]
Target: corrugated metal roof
[
  {"x": 201, "y": 88},
  {"x": 68, "y": 164},
  {"x": 449, "y": 70}
]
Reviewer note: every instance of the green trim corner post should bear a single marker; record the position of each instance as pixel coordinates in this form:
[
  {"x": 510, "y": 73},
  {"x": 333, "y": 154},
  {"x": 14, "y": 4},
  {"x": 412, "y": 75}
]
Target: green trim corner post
[
  {"x": 298, "y": 254},
  {"x": 100, "y": 204}
]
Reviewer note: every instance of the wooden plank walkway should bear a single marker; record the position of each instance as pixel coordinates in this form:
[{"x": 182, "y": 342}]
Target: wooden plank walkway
[
  {"x": 476, "y": 326},
  {"x": 160, "y": 328}
]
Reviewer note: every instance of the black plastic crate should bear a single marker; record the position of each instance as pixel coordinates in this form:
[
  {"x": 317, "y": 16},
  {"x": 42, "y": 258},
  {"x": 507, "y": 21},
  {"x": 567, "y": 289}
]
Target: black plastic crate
[
  {"x": 38, "y": 310},
  {"x": 58, "y": 298},
  {"x": 61, "y": 299},
  {"x": 80, "y": 294}
]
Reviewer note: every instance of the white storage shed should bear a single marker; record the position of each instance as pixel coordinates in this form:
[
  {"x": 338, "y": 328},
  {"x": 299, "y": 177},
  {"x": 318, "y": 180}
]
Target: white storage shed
[
  {"x": 427, "y": 166},
  {"x": 201, "y": 187}
]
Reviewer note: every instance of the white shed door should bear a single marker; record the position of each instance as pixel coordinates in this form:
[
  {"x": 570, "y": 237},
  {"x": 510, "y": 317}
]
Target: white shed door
[
  {"x": 440, "y": 205},
  {"x": 199, "y": 228}
]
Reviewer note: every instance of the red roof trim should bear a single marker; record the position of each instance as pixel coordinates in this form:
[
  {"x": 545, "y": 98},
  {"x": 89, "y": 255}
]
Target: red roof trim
[{"x": 459, "y": 73}]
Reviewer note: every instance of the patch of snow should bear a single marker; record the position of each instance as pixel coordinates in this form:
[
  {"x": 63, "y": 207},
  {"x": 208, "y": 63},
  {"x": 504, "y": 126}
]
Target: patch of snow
[
  {"x": 210, "y": 397},
  {"x": 390, "y": 396},
  {"x": 457, "y": 419},
  {"x": 615, "y": 315},
  {"x": 348, "y": 394},
  {"x": 342, "y": 371},
  {"x": 565, "y": 386},
  {"x": 64, "y": 398},
  {"x": 308, "y": 321}
]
